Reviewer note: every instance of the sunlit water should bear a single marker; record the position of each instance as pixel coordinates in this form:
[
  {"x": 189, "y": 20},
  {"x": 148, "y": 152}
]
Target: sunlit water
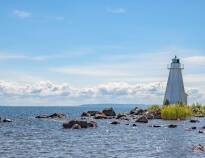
[{"x": 30, "y": 137}]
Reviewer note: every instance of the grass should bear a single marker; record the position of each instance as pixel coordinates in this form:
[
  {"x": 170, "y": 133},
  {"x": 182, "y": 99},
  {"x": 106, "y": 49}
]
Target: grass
[
  {"x": 154, "y": 107},
  {"x": 176, "y": 112}
]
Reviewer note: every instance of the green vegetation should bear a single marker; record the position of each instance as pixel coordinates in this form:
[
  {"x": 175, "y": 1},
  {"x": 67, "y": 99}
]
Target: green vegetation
[
  {"x": 175, "y": 112},
  {"x": 154, "y": 107},
  {"x": 198, "y": 109}
]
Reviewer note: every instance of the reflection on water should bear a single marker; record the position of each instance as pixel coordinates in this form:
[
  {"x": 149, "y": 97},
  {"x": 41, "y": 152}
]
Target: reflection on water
[{"x": 30, "y": 137}]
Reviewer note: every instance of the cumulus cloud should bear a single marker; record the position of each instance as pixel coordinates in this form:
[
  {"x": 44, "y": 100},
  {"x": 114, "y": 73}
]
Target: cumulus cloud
[
  {"x": 117, "y": 92},
  {"x": 22, "y": 14}
]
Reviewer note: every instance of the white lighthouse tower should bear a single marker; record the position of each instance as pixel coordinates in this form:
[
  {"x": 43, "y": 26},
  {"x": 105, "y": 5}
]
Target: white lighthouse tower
[{"x": 175, "y": 92}]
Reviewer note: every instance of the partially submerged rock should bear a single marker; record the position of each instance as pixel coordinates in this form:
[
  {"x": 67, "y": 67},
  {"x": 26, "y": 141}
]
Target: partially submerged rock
[
  {"x": 77, "y": 124},
  {"x": 85, "y": 114},
  {"x": 142, "y": 119},
  {"x": 109, "y": 112},
  {"x": 6, "y": 120},
  {"x": 52, "y": 116},
  {"x": 172, "y": 126},
  {"x": 194, "y": 121},
  {"x": 198, "y": 148},
  {"x": 115, "y": 123},
  {"x": 137, "y": 111},
  {"x": 100, "y": 115}
]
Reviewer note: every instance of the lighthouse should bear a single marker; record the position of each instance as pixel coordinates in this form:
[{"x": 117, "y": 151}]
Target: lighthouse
[{"x": 175, "y": 92}]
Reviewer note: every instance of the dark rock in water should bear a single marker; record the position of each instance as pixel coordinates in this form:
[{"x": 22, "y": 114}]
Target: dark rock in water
[
  {"x": 172, "y": 126},
  {"x": 134, "y": 125},
  {"x": 58, "y": 116},
  {"x": 82, "y": 124},
  {"x": 137, "y": 111},
  {"x": 198, "y": 148},
  {"x": 127, "y": 124},
  {"x": 193, "y": 127},
  {"x": 201, "y": 131},
  {"x": 42, "y": 116},
  {"x": 85, "y": 114},
  {"x": 120, "y": 116},
  {"x": 100, "y": 115},
  {"x": 109, "y": 112},
  {"x": 203, "y": 127},
  {"x": 76, "y": 126},
  {"x": 52, "y": 116},
  {"x": 194, "y": 121},
  {"x": 92, "y": 124},
  {"x": 156, "y": 126},
  {"x": 142, "y": 119},
  {"x": 115, "y": 123},
  {"x": 7, "y": 120},
  {"x": 92, "y": 113}
]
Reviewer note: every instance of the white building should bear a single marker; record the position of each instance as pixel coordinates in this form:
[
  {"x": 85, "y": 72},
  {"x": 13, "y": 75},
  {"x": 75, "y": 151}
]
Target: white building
[{"x": 175, "y": 92}]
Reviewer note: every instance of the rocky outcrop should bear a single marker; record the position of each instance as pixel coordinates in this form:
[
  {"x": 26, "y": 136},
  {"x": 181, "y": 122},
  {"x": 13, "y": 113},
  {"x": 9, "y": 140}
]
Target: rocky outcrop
[
  {"x": 77, "y": 124},
  {"x": 52, "y": 116},
  {"x": 137, "y": 111},
  {"x": 198, "y": 148},
  {"x": 109, "y": 112},
  {"x": 142, "y": 119},
  {"x": 85, "y": 114},
  {"x": 100, "y": 115},
  {"x": 194, "y": 121},
  {"x": 92, "y": 113}
]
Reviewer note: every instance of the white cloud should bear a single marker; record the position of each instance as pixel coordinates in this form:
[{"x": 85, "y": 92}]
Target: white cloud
[
  {"x": 22, "y": 14},
  {"x": 117, "y": 10},
  {"x": 63, "y": 94},
  {"x": 195, "y": 59}
]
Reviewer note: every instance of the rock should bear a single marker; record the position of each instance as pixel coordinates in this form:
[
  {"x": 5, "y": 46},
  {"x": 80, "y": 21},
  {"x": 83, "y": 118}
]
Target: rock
[
  {"x": 100, "y": 115},
  {"x": 203, "y": 127},
  {"x": 134, "y": 125},
  {"x": 82, "y": 124},
  {"x": 115, "y": 123},
  {"x": 120, "y": 116},
  {"x": 198, "y": 148},
  {"x": 172, "y": 126},
  {"x": 109, "y": 112},
  {"x": 7, "y": 120},
  {"x": 142, "y": 119},
  {"x": 92, "y": 124},
  {"x": 193, "y": 127},
  {"x": 58, "y": 116},
  {"x": 201, "y": 131},
  {"x": 127, "y": 124},
  {"x": 85, "y": 114},
  {"x": 42, "y": 116},
  {"x": 194, "y": 121},
  {"x": 76, "y": 126},
  {"x": 52, "y": 116},
  {"x": 149, "y": 115},
  {"x": 137, "y": 111},
  {"x": 200, "y": 115},
  {"x": 92, "y": 113},
  {"x": 157, "y": 126}
]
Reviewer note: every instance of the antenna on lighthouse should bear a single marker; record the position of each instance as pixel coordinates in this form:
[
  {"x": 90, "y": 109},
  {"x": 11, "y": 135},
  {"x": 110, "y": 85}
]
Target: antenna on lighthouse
[{"x": 175, "y": 92}]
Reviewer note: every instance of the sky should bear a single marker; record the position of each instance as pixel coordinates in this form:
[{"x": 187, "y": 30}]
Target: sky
[{"x": 73, "y": 52}]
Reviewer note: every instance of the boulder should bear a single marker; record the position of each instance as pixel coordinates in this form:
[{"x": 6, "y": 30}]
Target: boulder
[
  {"x": 120, "y": 116},
  {"x": 194, "y": 121},
  {"x": 115, "y": 123},
  {"x": 142, "y": 119},
  {"x": 85, "y": 114},
  {"x": 137, "y": 111},
  {"x": 76, "y": 126},
  {"x": 82, "y": 124},
  {"x": 156, "y": 126},
  {"x": 58, "y": 116},
  {"x": 201, "y": 131},
  {"x": 7, "y": 120},
  {"x": 92, "y": 113},
  {"x": 100, "y": 115},
  {"x": 109, "y": 112},
  {"x": 198, "y": 148},
  {"x": 134, "y": 125},
  {"x": 42, "y": 116},
  {"x": 193, "y": 127},
  {"x": 172, "y": 126}
]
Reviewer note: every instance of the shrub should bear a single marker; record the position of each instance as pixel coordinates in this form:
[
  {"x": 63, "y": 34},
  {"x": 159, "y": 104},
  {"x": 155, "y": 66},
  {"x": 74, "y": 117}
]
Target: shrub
[
  {"x": 153, "y": 108},
  {"x": 175, "y": 112},
  {"x": 198, "y": 109}
]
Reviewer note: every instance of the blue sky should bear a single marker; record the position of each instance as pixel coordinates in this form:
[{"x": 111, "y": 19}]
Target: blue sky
[{"x": 71, "y": 52}]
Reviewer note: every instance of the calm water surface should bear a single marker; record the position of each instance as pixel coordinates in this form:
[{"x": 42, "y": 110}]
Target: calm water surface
[{"x": 28, "y": 137}]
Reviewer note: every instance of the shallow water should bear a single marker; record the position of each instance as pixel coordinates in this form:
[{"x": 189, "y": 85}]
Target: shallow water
[{"x": 29, "y": 137}]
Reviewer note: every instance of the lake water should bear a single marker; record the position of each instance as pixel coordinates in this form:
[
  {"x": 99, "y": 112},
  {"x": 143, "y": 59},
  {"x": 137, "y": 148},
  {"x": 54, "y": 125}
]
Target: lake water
[{"x": 28, "y": 137}]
